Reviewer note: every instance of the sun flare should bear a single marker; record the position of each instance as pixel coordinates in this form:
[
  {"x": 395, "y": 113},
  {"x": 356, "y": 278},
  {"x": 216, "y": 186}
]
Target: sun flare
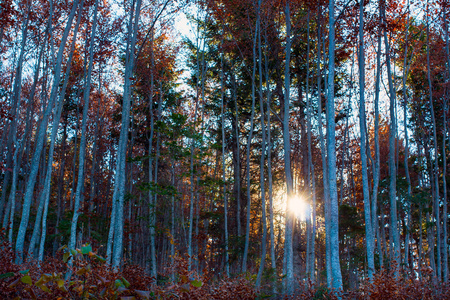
[{"x": 299, "y": 207}]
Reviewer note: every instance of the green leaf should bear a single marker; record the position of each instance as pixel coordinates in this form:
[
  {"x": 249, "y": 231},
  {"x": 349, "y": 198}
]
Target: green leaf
[
  {"x": 6, "y": 275},
  {"x": 60, "y": 283},
  {"x": 196, "y": 283},
  {"x": 66, "y": 256},
  {"x": 99, "y": 258},
  {"x": 73, "y": 251},
  {"x": 44, "y": 288},
  {"x": 86, "y": 249},
  {"x": 81, "y": 271},
  {"x": 24, "y": 272},
  {"x": 125, "y": 282},
  {"x": 118, "y": 283},
  {"x": 26, "y": 279}
]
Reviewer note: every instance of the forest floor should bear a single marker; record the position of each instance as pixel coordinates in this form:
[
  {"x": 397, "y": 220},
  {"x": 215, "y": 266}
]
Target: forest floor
[{"x": 91, "y": 278}]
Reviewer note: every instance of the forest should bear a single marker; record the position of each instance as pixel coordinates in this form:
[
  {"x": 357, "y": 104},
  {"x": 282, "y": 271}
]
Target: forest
[{"x": 276, "y": 149}]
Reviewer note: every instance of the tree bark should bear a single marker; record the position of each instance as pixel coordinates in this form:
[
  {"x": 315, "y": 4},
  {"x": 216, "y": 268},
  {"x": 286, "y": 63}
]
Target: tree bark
[
  {"x": 331, "y": 158},
  {"x": 393, "y": 227},
  {"x": 119, "y": 185},
  {"x": 263, "y": 153},
  {"x": 362, "y": 127},
  {"x": 249, "y": 142},
  {"x": 288, "y": 239},
  {"x": 40, "y": 140}
]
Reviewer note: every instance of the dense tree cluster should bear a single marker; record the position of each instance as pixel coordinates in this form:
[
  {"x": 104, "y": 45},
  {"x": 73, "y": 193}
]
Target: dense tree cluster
[{"x": 299, "y": 141}]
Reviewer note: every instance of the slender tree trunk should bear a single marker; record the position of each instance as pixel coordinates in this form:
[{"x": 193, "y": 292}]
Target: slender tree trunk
[
  {"x": 40, "y": 140},
  {"x": 155, "y": 182},
  {"x": 429, "y": 218},
  {"x": 269, "y": 171},
  {"x": 45, "y": 193},
  {"x": 17, "y": 88},
  {"x": 444, "y": 155},
  {"x": 310, "y": 177},
  {"x": 331, "y": 158},
  {"x": 263, "y": 153},
  {"x": 436, "y": 164},
  {"x": 10, "y": 207},
  {"x": 172, "y": 225},
  {"x": 224, "y": 178},
  {"x": 288, "y": 239},
  {"x": 326, "y": 194},
  {"x": 119, "y": 185},
  {"x": 408, "y": 179},
  {"x": 249, "y": 142},
  {"x": 150, "y": 168},
  {"x": 192, "y": 180},
  {"x": 362, "y": 125},
  {"x": 82, "y": 154},
  {"x": 238, "y": 160},
  {"x": 393, "y": 227},
  {"x": 376, "y": 168}
]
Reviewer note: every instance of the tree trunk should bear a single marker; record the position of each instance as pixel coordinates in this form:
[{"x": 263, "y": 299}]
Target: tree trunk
[
  {"x": 393, "y": 227},
  {"x": 249, "y": 142},
  {"x": 17, "y": 88},
  {"x": 408, "y": 179},
  {"x": 288, "y": 239},
  {"x": 376, "y": 168},
  {"x": 444, "y": 155},
  {"x": 362, "y": 126},
  {"x": 269, "y": 171},
  {"x": 45, "y": 193},
  {"x": 436, "y": 163},
  {"x": 326, "y": 197},
  {"x": 263, "y": 153},
  {"x": 224, "y": 178},
  {"x": 331, "y": 158},
  {"x": 81, "y": 157},
  {"x": 119, "y": 185},
  {"x": 40, "y": 140}
]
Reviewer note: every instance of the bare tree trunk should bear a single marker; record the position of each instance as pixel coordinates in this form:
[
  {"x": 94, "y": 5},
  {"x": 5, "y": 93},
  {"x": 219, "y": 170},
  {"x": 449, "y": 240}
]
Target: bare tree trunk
[
  {"x": 408, "y": 179},
  {"x": 393, "y": 227},
  {"x": 249, "y": 142},
  {"x": 436, "y": 163},
  {"x": 362, "y": 125},
  {"x": 331, "y": 157},
  {"x": 192, "y": 181},
  {"x": 40, "y": 140},
  {"x": 263, "y": 153},
  {"x": 310, "y": 177},
  {"x": 288, "y": 239},
  {"x": 10, "y": 206},
  {"x": 155, "y": 181},
  {"x": 224, "y": 178},
  {"x": 81, "y": 158},
  {"x": 326, "y": 196},
  {"x": 376, "y": 168},
  {"x": 444, "y": 155},
  {"x": 17, "y": 88},
  {"x": 269, "y": 172},
  {"x": 45, "y": 193},
  {"x": 150, "y": 168},
  {"x": 119, "y": 185}
]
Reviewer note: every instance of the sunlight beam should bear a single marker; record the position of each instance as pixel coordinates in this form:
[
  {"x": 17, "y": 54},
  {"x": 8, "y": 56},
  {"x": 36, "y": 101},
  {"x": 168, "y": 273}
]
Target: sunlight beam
[{"x": 299, "y": 207}]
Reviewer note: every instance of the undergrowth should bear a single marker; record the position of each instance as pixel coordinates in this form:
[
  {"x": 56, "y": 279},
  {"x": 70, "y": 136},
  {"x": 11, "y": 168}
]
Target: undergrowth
[{"x": 82, "y": 274}]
